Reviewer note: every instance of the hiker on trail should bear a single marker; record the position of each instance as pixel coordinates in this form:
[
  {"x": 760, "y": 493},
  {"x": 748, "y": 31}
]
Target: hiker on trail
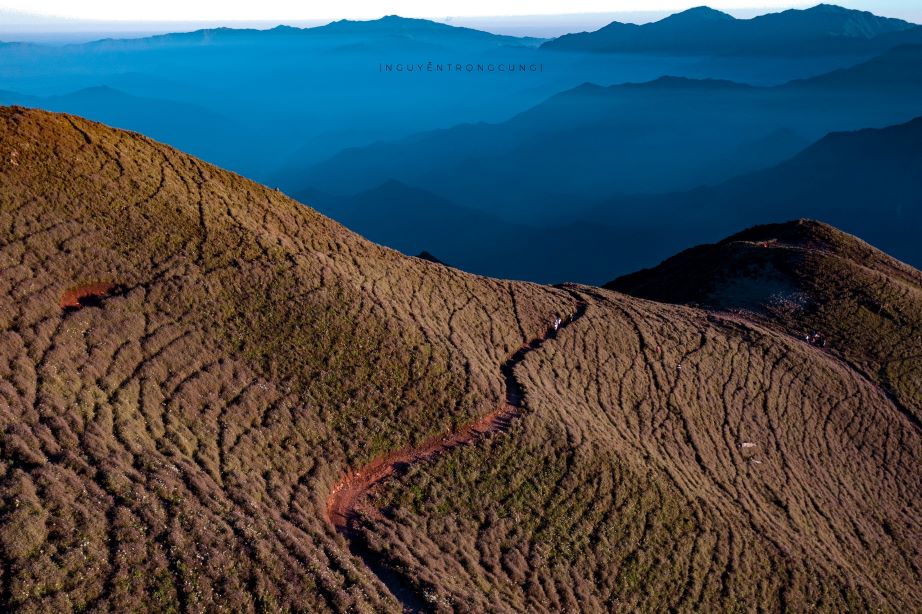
[{"x": 557, "y": 322}]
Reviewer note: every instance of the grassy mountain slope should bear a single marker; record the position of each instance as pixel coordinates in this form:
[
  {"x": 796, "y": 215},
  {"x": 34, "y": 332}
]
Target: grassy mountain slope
[
  {"x": 172, "y": 448},
  {"x": 683, "y": 459},
  {"x": 190, "y": 362},
  {"x": 806, "y": 278}
]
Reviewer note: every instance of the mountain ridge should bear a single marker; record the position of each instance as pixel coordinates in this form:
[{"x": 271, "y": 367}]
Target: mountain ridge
[
  {"x": 860, "y": 311},
  {"x": 623, "y": 138},
  {"x": 392, "y": 25},
  {"x": 863, "y": 181},
  {"x": 821, "y": 29}
]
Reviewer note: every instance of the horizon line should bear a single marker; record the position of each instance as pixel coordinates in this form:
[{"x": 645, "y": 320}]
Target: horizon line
[
  {"x": 740, "y": 12},
  {"x": 521, "y": 25}
]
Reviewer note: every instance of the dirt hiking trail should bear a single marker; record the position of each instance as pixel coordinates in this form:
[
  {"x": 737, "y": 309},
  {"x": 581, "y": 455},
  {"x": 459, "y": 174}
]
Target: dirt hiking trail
[{"x": 351, "y": 489}]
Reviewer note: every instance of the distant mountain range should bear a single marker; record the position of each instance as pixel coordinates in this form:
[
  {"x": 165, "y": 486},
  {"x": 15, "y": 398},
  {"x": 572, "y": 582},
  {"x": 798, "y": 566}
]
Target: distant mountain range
[
  {"x": 600, "y": 158},
  {"x": 302, "y": 94},
  {"x": 868, "y": 180},
  {"x": 666, "y": 135},
  {"x": 191, "y": 127},
  {"x": 823, "y": 29},
  {"x": 899, "y": 69},
  {"x": 413, "y": 220},
  {"x": 304, "y": 91},
  {"x": 391, "y": 30}
]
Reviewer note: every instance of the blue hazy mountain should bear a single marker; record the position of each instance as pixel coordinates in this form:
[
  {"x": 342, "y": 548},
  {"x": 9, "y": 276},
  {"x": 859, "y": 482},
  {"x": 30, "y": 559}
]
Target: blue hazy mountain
[
  {"x": 868, "y": 180},
  {"x": 454, "y": 164},
  {"x": 898, "y": 68},
  {"x": 187, "y": 126},
  {"x": 302, "y": 91},
  {"x": 414, "y": 221},
  {"x": 458, "y": 235},
  {"x": 823, "y": 29},
  {"x": 669, "y": 134},
  {"x": 339, "y": 35},
  {"x": 306, "y": 93}
]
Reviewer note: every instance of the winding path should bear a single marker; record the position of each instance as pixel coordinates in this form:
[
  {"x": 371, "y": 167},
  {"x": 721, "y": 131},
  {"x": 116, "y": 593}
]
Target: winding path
[{"x": 346, "y": 494}]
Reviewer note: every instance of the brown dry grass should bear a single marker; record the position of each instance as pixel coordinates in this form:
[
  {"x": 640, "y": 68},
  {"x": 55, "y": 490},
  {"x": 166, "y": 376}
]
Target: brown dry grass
[
  {"x": 809, "y": 278},
  {"x": 628, "y": 487},
  {"x": 173, "y": 448}
]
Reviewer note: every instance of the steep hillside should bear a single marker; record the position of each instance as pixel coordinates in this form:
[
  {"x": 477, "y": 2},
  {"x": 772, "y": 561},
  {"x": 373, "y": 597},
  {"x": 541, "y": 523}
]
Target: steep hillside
[
  {"x": 809, "y": 280},
  {"x": 171, "y": 446},
  {"x": 212, "y": 397},
  {"x": 680, "y": 459}
]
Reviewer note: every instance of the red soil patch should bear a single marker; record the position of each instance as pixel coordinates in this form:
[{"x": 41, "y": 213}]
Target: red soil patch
[{"x": 86, "y": 295}]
